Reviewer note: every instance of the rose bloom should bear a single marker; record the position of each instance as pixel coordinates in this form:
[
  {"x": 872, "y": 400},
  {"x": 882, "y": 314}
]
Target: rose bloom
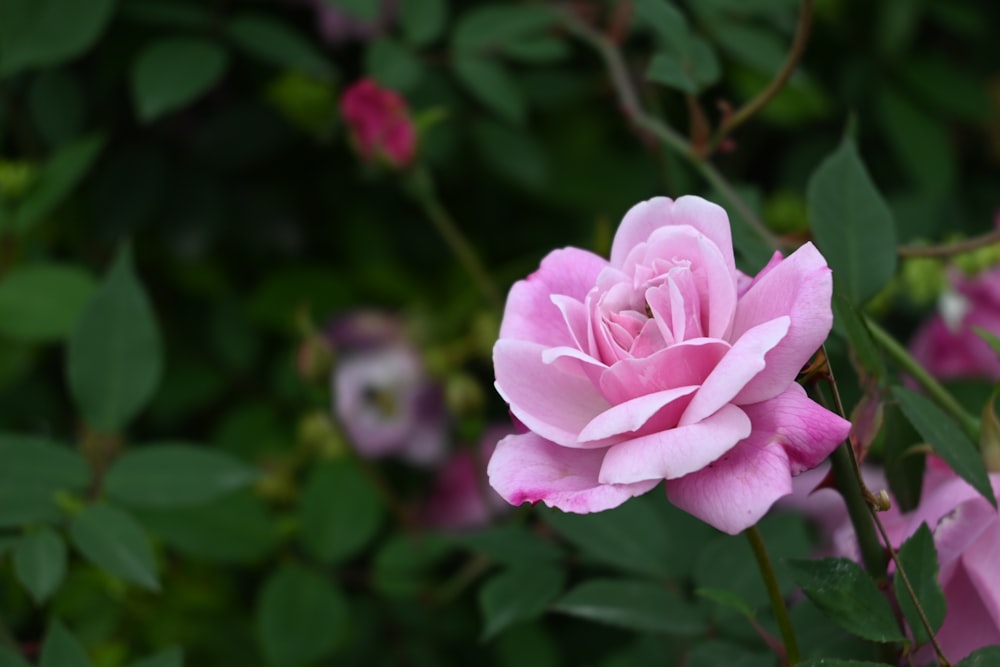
[
  {"x": 946, "y": 344},
  {"x": 664, "y": 363},
  {"x": 966, "y": 532},
  {"x": 379, "y": 123},
  {"x": 382, "y": 395}
]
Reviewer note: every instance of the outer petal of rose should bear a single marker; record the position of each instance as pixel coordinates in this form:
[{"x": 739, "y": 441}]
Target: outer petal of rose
[
  {"x": 745, "y": 282},
  {"x": 800, "y": 287},
  {"x": 528, "y": 468},
  {"x": 733, "y": 493},
  {"x": 981, "y": 560},
  {"x": 548, "y": 400},
  {"x": 639, "y": 222},
  {"x": 967, "y": 625},
  {"x": 630, "y": 416},
  {"x": 675, "y": 452},
  {"x": 744, "y": 361},
  {"x": 807, "y": 430},
  {"x": 530, "y": 313}
]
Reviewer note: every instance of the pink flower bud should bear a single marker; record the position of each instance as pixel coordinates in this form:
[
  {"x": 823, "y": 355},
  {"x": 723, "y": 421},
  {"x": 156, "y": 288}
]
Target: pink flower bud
[{"x": 379, "y": 123}]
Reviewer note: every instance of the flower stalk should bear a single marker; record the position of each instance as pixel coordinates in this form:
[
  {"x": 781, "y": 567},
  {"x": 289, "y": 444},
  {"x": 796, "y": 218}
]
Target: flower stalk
[{"x": 792, "y": 654}]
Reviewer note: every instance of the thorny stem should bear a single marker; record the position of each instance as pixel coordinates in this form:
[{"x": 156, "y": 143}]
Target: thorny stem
[
  {"x": 422, "y": 189},
  {"x": 934, "y": 388},
  {"x": 949, "y": 249},
  {"x": 777, "y": 83},
  {"x": 774, "y": 593},
  {"x": 634, "y": 112},
  {"x": 901, "y": 573}
]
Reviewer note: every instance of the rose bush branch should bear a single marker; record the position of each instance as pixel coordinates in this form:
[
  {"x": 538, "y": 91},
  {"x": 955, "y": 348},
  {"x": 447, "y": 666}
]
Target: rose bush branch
[
  {"x": 792, "y": 654},
  {"x": 946, "y": 250},
  {"x": 636, "y": 114},
  {"x": 934, "y": 389},
  {"x": 748, "y": 110},
  {"x": 420, "y": 185}
]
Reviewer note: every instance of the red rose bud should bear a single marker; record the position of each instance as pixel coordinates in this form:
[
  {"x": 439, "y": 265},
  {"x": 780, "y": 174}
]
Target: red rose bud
[{"x": 379, "y": 122}]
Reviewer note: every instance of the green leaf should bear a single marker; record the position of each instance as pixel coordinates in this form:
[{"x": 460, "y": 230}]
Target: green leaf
[
  {"x": 492, "y": 85},
  {"x": 10, "y": 659},
  {"x": 852, "y": 224},
  {"x": 947, "y": 440},
  {"x": 728, "y": 599},
  {"x": 991, "y": 339},
  {"x": 393, "y": 65},
  {"x": 40, "y": 33},
  {"x": 640, "y": 606},
  {"x": 715, "y": 653},
  {"x": 848, "y": 596},
  {"x": 113, "y": 541},
  {"x": 750, "y": 45},
  {"x": 628, "y": 537},
  {"x": 486, "y": 29},
  {"x": 175, "y": 475},
  {"x": 40, "y": 563},
  {"x": 403, "y": 564},
  {"x": 171, "y": 73},
  {"x": 237, "y": 528},
  {"x": 518, "y": 594},
  {"x": 34, "y": 471},
  {"x": 988, "y": 656},
  {"x": 537, "y": 50},
  {"x": 58, "y": 106},
  {"x": 511, "y": 153},
  {"x": 56, "y": 181},
  {"x": 301, "y": 617},
  {"x": 115, "y": 359},
  {"x": 41, "y": 302},
  {"x": 269, "y": 40},
  {"x": 169, "y": 14},
  {"x": 510, "y": 544},
  {"x": 423, "y": 21},
  {"x": 666, "y": 21},
  {"x": 173, "y": 657},
  {"x": 668, "y": 69},
  {"x": 62, "y": 649},
  {"x": 848, "y": 320},
  {"x": 340, "y": 511},
  {"x": 365, "y": 10},
  {"x": 919, "y": 560}
]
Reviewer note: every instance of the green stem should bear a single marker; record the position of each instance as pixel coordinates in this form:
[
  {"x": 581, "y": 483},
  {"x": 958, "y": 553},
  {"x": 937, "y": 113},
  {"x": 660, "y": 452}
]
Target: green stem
[
  {"x": 422, "y": 189},
  {"x": 774, "y": 592},
  {"x": 933, "y": 388},
  {"x": 850, "y": 486}
]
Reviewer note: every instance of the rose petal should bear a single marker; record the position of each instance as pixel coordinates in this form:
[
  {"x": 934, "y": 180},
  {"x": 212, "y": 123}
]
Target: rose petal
[
  {"x": 546, "y": 398},
  {"x": 687, "y": 363},
  {"x": 630, "y": 416},
  {"x": 709, "y": 219},
  {"x": 967, "y": 625},
  {"x": 528, "y": 468},
  {"x": 981, "y": 561},
  {"x": 807, "y": 430},
  {"x": 801, "y": 288},
  {"x": 675, "y": 452},
  {"x": 530, "y": 314},
  {"x": 638, "y": 224},
  {"x": 735, "y": 491},
  {"x": 744, "y": 361}
]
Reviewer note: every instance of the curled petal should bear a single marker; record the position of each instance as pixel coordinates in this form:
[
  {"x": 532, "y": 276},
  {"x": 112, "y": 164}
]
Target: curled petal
[
  {"x": 528, "y": 468},
  {"x": 631, "y": 416},
  {"x": 675, "y": 452},
  {"x": 546, "y": 398},
  {"x": 800, "y": 287}
]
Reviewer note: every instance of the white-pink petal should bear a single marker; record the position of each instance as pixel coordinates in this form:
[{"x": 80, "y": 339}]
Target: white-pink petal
[
  {"x": 675, "y": 452},
  {"x": 528, "y": 468}
]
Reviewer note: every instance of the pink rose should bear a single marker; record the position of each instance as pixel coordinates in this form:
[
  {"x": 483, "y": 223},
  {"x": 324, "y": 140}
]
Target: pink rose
[
  {"x": 946, "y": 344},
  {"x": 665, "y": 362},
  {"x": 378, "y": 120},
  {"x": 966, "y": 532}
]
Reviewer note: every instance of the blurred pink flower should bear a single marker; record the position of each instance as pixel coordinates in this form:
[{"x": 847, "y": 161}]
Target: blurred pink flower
[
  {"x": 382, "y": 395},
  {"x": 461, "y": 499},
  {"x": 338, "y": 26},
  {"x": 379, "y": 123},
  {"x": 664, "y": 363},
  {"x": 946, "y": 344},
  {"x": 966, "y": 532}
]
